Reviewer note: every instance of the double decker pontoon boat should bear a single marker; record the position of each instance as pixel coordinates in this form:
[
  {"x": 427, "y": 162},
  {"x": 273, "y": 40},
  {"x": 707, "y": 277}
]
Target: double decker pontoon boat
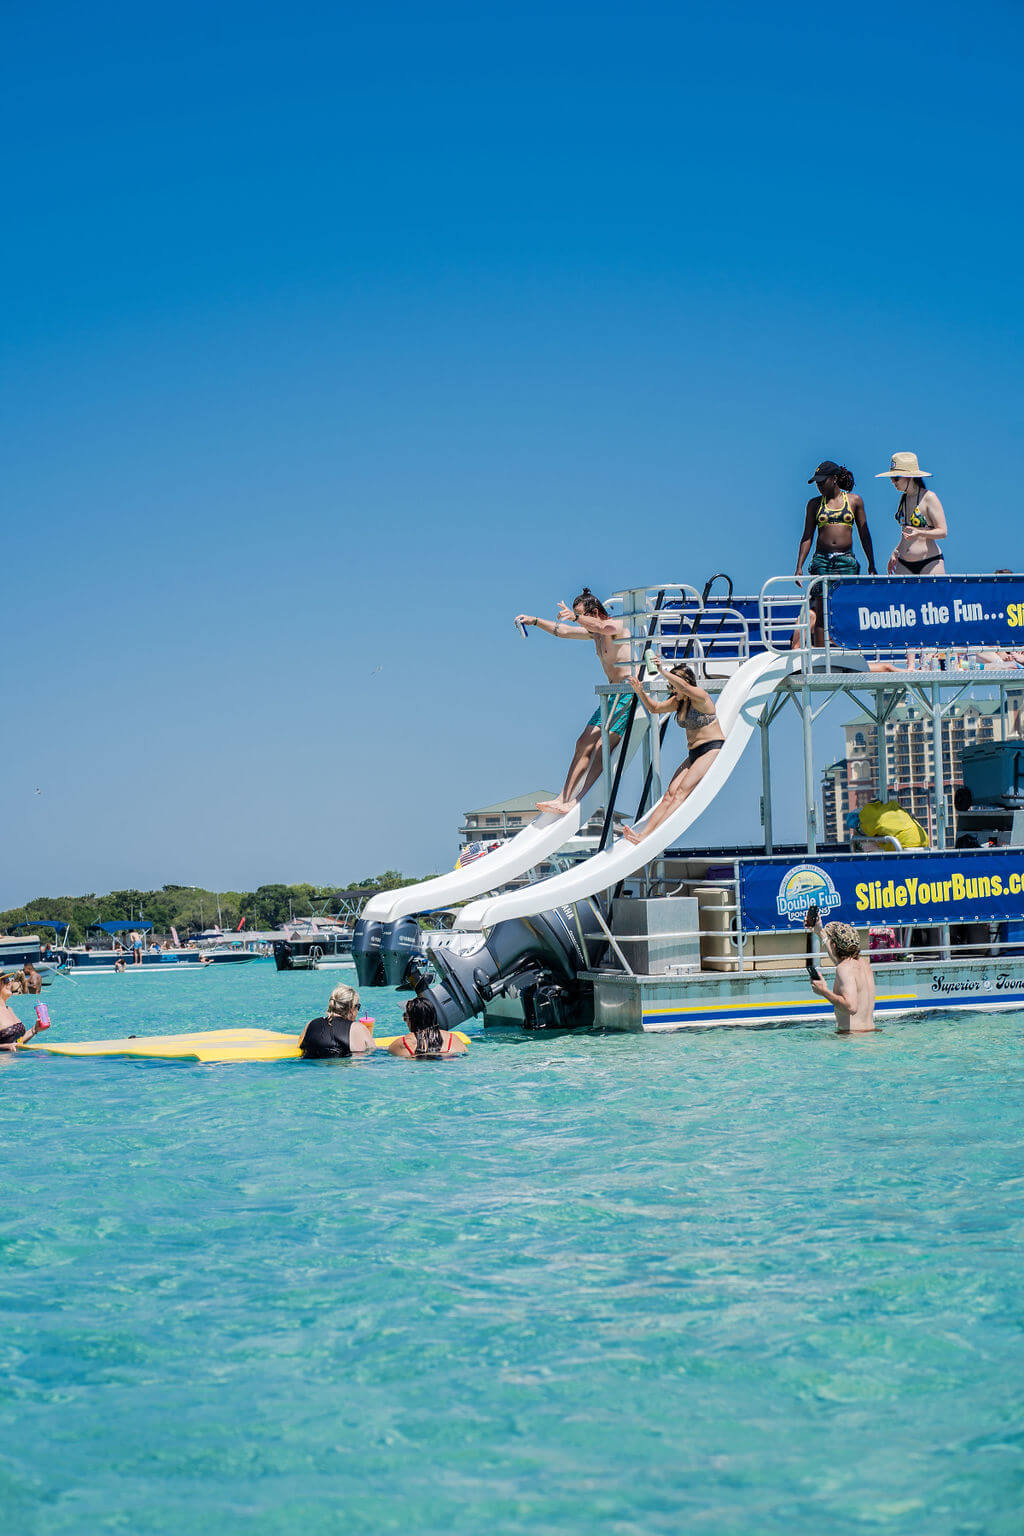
[{"x": 673, "y": 934}]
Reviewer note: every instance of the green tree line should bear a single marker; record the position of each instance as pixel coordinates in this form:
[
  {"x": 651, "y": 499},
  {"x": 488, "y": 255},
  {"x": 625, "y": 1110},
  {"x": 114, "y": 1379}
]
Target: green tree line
[{"x": 190, "y": 909}]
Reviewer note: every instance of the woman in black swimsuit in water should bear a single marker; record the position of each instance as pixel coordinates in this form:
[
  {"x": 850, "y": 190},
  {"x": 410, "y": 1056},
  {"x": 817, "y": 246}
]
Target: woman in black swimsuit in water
[
  {"x": 695, "y": 712},
  {"x": 340, "y": 1033},
  {"x": 921, "y": 518}
]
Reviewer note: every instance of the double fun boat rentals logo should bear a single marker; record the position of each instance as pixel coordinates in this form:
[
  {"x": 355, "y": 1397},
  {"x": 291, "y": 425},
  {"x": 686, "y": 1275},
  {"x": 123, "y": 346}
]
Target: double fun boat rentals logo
[{"x": 803, "y": 887}]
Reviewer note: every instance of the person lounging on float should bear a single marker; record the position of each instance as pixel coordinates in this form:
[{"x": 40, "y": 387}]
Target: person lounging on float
[
  {"x": 695, "y": 713},
  {"x": 12, "y": 1030},
  {"x": 834, "y": 512},
  {"x": 341, "y": 1032},
  {"x": 920, "y": 516},
  {"x": 589, "y": 619},
  {"x": 425, "y": 1039}
]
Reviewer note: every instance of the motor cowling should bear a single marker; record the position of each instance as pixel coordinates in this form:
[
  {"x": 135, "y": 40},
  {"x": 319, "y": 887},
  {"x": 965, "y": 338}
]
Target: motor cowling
[
  {"x": 366, "y": 942},
  {"x": 538, "y": 957},
  {"x": 400, "y": 943}
]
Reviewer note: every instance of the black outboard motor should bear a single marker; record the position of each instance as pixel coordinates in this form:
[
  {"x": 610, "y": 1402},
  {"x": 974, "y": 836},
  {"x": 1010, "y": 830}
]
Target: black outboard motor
[
  {"x": 400, "y": 942},
  {"x": 538, "y": 957},
  {"x": 366, "y": 953}
]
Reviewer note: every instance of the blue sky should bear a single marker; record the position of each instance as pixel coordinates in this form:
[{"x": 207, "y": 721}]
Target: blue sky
[{"x": 336, "y": 334}]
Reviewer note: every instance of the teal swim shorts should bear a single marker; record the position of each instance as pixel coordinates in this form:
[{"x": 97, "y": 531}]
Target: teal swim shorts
[{"x": 618, "y": 713}]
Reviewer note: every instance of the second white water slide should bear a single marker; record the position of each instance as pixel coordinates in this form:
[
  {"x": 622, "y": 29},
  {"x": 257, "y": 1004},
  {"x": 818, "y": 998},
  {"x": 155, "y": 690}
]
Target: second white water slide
[
  {"x": 537, "y": 841},
  {"x": 740, "y": 706}
]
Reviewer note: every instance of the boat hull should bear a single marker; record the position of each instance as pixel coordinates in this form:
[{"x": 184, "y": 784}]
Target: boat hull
[{"x": 702, "y": 1000}]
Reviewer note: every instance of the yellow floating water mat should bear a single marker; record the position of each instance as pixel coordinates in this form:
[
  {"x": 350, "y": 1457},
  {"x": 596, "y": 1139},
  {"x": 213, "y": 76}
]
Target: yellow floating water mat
[{"x": 210, "y": 1045}]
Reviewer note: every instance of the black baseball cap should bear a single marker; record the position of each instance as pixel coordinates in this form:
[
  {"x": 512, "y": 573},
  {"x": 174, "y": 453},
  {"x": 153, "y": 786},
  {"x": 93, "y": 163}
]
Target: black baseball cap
[{"x": 825, "y": 468}]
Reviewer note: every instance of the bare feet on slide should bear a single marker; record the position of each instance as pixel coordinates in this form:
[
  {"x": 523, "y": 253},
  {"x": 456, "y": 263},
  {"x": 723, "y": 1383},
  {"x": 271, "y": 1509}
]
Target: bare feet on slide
[
  {"x": 559, "y": 807},
  {"x": 632, "y": 835}
]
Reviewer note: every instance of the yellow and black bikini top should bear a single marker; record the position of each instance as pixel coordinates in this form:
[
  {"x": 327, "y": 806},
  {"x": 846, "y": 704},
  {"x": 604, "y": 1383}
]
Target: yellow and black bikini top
[
  {"x": 916, "y": 519},
  {"x": 830, "y": 517}
]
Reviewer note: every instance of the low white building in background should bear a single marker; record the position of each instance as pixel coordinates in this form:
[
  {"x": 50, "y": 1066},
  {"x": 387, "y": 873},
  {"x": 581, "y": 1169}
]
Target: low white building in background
[{"x": 497, "y": 823}]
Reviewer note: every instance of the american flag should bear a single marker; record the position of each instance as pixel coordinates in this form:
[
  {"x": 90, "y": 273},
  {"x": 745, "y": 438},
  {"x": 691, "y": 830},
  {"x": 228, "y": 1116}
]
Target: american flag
[{"x": 475, "y": 851}]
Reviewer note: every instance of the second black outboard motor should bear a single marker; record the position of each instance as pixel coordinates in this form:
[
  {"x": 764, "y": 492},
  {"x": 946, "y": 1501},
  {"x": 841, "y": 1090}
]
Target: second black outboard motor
[
  {"x": 366, "y": 953},
  {"x": 539, "y": 958},
  {"x": 400, "y": 942}
]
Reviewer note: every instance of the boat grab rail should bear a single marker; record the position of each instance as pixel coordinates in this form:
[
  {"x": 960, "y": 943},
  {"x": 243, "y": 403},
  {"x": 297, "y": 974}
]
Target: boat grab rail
[
  {"x": 647, "y": 610},
  {"x": 666, "y": 619},
  {"x": 780, "y": 592},
  {"x": 784, "y": 608},
  {"x": 731, "y": 635}
]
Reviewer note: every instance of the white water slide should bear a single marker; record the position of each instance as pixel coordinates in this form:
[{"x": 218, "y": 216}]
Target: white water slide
[
  {"x": 536, "y": 842},
  {"x": 740, "y": 706}
]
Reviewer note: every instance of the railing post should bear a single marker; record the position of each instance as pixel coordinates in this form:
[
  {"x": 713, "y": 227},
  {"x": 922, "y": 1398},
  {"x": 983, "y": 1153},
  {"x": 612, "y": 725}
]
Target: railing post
[
  {"x": 604, "y": 702},
  {"x": 940, "y": 775}
]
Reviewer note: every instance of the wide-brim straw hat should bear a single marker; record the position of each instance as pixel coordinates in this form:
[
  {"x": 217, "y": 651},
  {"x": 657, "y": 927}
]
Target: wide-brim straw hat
[{"x": 904, "y": 464}]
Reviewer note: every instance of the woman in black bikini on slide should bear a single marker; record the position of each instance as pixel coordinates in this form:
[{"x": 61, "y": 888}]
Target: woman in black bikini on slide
[
  {"x": 921, "y": 518},
  {"x": 695, "y": 712}
]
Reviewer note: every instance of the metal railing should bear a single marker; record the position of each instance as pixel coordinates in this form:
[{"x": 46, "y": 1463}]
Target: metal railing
[{"x": 671, "y": 627}]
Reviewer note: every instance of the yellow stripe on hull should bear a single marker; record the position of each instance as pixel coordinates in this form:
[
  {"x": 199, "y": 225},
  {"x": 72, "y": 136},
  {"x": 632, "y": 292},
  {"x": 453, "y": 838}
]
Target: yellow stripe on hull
[{"x": 736, "y": 1004}]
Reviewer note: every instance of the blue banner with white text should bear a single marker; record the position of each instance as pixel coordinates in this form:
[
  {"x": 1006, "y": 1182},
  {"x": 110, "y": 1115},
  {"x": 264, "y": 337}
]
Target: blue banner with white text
[
  {"x": 896, "y": 612},
  {"x": 961, "y": 886}
]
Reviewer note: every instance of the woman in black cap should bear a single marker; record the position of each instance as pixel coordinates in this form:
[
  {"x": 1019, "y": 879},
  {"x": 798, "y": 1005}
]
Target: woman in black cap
[{"x": 834, "y": 513}]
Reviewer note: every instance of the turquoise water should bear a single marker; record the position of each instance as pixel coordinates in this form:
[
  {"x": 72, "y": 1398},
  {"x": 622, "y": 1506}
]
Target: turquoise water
[{"x": 726, "y": 1283}]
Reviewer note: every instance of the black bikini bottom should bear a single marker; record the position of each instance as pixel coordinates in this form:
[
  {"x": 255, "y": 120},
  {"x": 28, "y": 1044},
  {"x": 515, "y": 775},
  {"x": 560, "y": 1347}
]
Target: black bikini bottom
[
  {"x": 705, "y": 746},
  {"x": 915, "y": 567}
]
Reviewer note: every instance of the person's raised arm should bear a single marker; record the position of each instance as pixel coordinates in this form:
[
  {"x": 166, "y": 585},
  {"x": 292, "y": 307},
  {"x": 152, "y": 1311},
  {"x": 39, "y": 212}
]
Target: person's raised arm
[
  {"x": 591, "y": 624},
  {"x": 823, "y": 936},
  {"x": 861, "y": 519},
  {"x": 691, "y": 691},
  {"x": 551, "y": 627},
  {"x": 653, "y": 707},
  {"x": 807, "y": 537}
]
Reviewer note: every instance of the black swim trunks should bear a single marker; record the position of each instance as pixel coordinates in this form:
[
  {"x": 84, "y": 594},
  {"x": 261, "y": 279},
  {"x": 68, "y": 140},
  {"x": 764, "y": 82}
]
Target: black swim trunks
[
  {"x": 324, "y": 1038},
  {"x": 705, "y": 746}
]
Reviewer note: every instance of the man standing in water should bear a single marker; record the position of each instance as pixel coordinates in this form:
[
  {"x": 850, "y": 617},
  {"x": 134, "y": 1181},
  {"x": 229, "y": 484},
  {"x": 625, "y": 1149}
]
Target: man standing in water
[
  {"x": 854, "y": 995},
  {"x": 589, "y": 619}
]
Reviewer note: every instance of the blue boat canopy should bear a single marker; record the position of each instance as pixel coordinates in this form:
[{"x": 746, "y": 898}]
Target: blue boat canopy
[
  {"x": 120, "y": 927},
  {"x": 41, "y": 922}
]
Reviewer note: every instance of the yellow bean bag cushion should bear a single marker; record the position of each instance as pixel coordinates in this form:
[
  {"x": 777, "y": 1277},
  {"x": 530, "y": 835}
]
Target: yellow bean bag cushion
[{"x": 888, "y": 819}]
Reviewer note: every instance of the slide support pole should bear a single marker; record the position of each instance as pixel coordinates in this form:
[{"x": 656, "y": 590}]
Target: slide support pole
[
  {"x": 807, "y": 716},
  {"x": 766, "y": 785},
  {"x": 939, "y": 783},
  {"x": 606, "y": 754}
]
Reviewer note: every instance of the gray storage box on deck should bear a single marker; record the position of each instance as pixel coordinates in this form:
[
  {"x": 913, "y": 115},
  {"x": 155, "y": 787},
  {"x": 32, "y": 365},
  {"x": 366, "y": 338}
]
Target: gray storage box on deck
[{"x": 655, "y": 952}]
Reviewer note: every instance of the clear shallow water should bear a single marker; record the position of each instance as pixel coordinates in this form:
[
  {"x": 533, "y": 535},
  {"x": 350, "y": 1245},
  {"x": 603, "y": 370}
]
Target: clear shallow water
[{"x": 727, "y": 1283}]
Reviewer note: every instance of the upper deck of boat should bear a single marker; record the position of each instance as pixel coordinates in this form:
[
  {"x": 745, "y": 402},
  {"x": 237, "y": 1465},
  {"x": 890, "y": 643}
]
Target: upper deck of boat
[{"x": 931, "y": 633}]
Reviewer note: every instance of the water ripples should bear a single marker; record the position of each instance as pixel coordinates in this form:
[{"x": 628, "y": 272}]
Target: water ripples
[{"x": 724, "y": 1283}]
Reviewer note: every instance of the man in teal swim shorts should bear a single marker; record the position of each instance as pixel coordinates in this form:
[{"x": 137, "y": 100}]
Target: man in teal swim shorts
[{"x": 589, "y": 619}]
